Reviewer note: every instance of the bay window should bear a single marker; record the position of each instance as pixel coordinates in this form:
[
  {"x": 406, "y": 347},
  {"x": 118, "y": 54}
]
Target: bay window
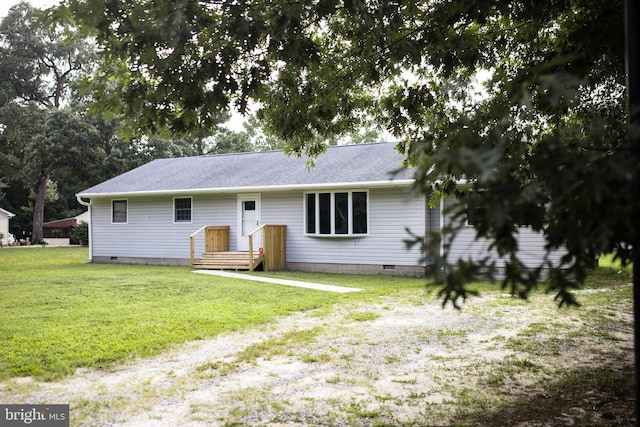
[{"x": 336, "y": 213}]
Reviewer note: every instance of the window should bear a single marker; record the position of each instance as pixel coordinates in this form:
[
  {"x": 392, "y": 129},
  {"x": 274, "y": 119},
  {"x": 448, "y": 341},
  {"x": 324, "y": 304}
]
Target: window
[
  {"x": 119, "y": 211},
  {"x": 475, "y": 210},
  {"x": 182, "y": 209},
  {"x": 340, "y": 213},
  {"x": 474, "y": 216},
  {"x": 360, "y": 216},
  {"x": 310, "y": 210},
  {"x": 324, "y": 215}
]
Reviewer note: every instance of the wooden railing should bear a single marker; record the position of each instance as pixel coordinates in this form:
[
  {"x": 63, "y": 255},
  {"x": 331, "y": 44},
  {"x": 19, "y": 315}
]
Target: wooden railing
[
  {"x": 216, "y": 239},
  {"x": 274, "y": 243},
  {"x": 192, "y": 238},
  {"x": 252, "y": 262}
]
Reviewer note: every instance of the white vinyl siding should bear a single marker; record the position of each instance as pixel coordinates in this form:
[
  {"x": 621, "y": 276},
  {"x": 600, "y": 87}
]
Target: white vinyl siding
[
  {"x": 151, "y": 232},
  {"x": 530, "y": 246},
  {"x": 390, "y": 212}
]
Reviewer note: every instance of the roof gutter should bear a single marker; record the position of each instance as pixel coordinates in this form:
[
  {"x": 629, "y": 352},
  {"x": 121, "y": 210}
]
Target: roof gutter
[
  {"x": 82, "y": 202},
  {"x": 264, "y": 188}
]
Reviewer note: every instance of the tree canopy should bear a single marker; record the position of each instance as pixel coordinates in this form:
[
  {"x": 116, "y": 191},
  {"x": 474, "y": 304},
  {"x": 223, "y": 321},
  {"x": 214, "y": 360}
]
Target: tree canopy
[
  {"x": 523, "y": 101},
  {"x": 39, "y": 61}
]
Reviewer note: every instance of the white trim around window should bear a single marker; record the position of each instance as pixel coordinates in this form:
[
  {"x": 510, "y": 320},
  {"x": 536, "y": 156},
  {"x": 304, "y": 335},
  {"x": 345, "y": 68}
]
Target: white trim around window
[
  {"x": 119, "y": 211},
  {"x": 336, "y": 213}
]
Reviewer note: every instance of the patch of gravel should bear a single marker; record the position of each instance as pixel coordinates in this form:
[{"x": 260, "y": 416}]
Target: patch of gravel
[{"x": 405, "y": 361}]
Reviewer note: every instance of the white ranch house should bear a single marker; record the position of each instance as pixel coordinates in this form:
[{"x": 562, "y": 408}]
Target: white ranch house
[{"x": 349, "y": 213}]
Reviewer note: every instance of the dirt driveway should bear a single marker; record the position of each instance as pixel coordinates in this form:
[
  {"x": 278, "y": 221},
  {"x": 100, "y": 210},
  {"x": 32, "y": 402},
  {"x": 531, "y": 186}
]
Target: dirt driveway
[{"x": 404, "y": 361}]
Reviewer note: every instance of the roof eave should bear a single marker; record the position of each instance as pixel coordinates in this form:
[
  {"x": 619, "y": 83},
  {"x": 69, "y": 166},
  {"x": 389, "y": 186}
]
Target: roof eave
[
  {"x": 9, "y": 214},
  {"x": 254, "y": 189}
]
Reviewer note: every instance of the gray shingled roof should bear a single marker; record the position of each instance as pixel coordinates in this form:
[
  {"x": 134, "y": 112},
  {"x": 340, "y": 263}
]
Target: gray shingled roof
[{"x": 339, "y": 165}]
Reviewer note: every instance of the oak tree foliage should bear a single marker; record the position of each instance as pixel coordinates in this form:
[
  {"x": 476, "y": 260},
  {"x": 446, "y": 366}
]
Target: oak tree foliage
[
  {"x": 524, "y": 101},
  {"x": 41, "y": 133}
]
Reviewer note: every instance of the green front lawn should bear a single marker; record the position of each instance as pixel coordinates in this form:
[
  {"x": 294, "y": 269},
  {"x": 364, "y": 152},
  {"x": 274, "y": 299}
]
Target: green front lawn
[{"x": 58, "y": 313}]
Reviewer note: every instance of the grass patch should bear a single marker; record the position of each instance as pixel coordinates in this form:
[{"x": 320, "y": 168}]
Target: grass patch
[
  {"x": 363, "y": 316},
  {"x": 603, "y": 379},
  {"x": 374, "y": 285},
  {"x": 277, "y": 346},
  {"x": 609, "y": 274},
  {"x": 315, "y": 358},
  {"x": 361, "y": 410},
  {"x": 59, "y": 313},
  {"x": 471, "y": 399},
  {"x": 605, "y": 395},
  {"x": 412, "y": 381},
  {"x": 509, "y": 369}
]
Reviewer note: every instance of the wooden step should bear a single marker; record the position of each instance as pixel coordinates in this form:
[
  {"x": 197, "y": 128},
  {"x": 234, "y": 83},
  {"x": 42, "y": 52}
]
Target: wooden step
[
  {"x": 234, "y": 267},
  {"x": 228, "y": 255},
  {"x": 220, "y": 266},
  {"x": 226, "y": 261}
]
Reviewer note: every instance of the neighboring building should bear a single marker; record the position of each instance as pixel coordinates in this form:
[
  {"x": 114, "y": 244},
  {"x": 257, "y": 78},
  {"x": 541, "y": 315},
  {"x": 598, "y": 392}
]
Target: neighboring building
[
  {"x": 58, "y": 233},
  {"x": 351, "y": 212},
  {"x": 5, "y": 216}
]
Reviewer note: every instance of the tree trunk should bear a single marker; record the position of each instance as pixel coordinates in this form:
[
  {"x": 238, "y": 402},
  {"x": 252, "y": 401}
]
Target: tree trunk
[
  {"x": 38, "y": 210},
  {"x": 632, "y": 14}
]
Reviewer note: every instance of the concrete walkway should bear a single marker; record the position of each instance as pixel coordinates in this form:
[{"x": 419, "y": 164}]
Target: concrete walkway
[{"x": 308, "y": 285}]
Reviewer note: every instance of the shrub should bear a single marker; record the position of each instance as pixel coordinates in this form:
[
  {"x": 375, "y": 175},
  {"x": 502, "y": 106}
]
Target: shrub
[{"x": 80, "y": 233}]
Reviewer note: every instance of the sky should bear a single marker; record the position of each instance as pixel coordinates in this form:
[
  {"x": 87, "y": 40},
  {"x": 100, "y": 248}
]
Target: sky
[{"x": 5, "y": 5}]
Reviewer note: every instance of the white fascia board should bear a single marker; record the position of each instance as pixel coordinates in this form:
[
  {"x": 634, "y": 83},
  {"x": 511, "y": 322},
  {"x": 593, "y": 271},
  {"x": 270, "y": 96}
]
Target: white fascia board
[
  {"x": 234, "y": 190},
  {"x": 9, "y": 214}
]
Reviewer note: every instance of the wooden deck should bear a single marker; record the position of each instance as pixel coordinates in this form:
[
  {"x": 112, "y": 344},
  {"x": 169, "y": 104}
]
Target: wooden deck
[{"x": 216, "y": 256}]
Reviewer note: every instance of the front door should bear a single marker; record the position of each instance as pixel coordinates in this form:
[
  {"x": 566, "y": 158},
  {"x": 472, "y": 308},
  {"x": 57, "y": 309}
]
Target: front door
[{"x": 248, "y": 220}]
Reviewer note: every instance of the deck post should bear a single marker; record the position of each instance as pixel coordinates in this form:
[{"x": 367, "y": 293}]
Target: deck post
[
  {"x": 192, "y": 244},
  {"x": 251, "y": 252},
  {"x": 192, "y": 250},
  {"x": 275, "y": 247}
]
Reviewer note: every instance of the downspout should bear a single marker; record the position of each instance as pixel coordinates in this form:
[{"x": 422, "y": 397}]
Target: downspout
[{"x": 88, "y": 205}]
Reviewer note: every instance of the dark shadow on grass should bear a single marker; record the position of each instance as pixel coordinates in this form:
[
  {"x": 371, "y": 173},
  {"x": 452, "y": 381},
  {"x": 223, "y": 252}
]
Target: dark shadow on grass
[{"x": 596, "y": 396}]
